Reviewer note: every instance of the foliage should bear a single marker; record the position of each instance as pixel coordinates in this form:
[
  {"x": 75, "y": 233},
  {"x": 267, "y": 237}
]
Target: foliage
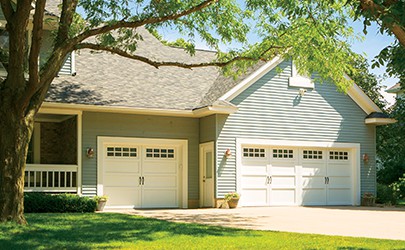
[
  {"x": 230, "y": 196},
  {"x": 385, "y": 195},
  {"x": 391, "y": 146},
  {"x": 100, "y": 198},
  {"x": 58, "y": 203},
  {"x": 398, "y": 188},
  {"x": 120, "y": 231}
]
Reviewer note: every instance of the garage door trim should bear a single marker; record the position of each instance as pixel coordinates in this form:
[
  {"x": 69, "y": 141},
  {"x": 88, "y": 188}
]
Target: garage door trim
[
  {"x": 183, "y": 173},
  {"x": 354, "y": 147}
]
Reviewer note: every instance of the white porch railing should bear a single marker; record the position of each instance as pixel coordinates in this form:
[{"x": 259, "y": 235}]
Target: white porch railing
[{"x": 50, "y": 178}]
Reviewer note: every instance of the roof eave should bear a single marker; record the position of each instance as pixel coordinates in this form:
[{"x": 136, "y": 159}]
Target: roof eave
[
  {"x": 214, "y": 109},
  {"x": 379, "y": 121}
]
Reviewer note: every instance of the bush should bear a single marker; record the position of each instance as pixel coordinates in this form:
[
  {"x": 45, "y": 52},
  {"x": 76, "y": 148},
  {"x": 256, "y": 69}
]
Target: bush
[
  {"x": 57, "y": 203},
  {"x": 399, "y": 188},
  {"x": 385, "y": 195}
]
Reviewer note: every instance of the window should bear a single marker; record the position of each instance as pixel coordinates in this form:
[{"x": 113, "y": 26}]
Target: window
[
  {"x": 338, "y": 155},
  {"x": 254, "y": 152},
  {"x": 160, "y": 153},
  {"x": 121, "y": 152},
  {"x": 283, "y": 153},
  {"x": 312, "y": 154}
]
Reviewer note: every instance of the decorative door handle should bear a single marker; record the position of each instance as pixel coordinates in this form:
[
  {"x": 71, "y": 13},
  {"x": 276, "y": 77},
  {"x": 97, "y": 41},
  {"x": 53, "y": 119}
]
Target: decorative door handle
[
  {"x": 267, "y": 180},
  {"x": 270, "y": 179},
  {"x": 326, "y": 178},
  {"x": 143, "y": 180},
  {"x": 140, "y": 180}
]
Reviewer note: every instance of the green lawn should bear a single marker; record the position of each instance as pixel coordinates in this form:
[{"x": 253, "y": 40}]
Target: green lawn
[{"x": 108, "y": 230}]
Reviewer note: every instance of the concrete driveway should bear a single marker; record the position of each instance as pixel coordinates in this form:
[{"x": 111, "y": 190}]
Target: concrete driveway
[{"x": 383, "y": 223}]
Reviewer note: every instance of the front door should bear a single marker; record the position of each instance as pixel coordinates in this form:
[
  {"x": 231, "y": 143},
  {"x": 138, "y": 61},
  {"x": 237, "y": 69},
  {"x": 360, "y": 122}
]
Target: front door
[{"x": 207, "y": 174}]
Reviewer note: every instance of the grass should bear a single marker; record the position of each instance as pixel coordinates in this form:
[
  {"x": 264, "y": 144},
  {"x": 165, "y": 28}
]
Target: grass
[{"x": 112, "y": 231}]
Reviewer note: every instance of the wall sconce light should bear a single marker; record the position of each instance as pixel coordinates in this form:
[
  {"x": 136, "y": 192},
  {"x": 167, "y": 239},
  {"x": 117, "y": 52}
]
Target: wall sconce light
[
  {"x": 365, "y": 158},
  {"x": 302, "y": 91},
  {"x": 228, "y": 153},
  {"x": 90, "y": 152}
]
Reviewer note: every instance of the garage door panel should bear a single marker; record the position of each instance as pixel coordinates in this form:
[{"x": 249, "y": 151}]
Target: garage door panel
[
  {"x": 122, "y": 196},
  {"x": 313, "y": 197},
  {"x": 255, "y": 169},
  {"x": 169, "y": 167},
  {"x": 339, "y": 170},
  {"x": 121, "y": 180},
  {"x": 283, "y": 196},
  {"x": 127, "y": 167},
  {"x": 339, "y": 196},
  {"x": 159, "y": 181},
  {"x": 255, "y": 197},
  {"x": 283, "y": 181},
  {"x": 313, "y": 169},
  {"x": 254, "y": 181},
  {"x": 153, "y": 198},
  {"x": 283, "y": 169},
  {"x": 339, "y": 182},
  {"x": 313, "y": 182}
]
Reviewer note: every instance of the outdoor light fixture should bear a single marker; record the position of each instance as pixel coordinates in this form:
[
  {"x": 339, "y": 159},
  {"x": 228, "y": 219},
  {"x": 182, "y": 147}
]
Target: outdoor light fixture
[
  {"x": 228, "y": 153},
  {"x": 365, "y": 158},
  {"x": 302, "y": 91},
  {"x": 90, "y": 152}
]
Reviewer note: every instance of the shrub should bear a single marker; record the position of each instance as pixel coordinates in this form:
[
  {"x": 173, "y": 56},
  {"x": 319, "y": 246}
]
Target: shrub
[
  {"x": 385, "y": 195},
  {"x": 399, "y": 188},
  {"x": 57, "y": 203}
]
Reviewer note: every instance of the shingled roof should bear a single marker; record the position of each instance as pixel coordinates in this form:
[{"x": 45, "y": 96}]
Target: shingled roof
[{"x": 111, "y": 80}]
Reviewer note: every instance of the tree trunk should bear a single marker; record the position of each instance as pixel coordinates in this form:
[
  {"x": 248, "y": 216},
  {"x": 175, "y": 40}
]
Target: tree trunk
[{"x": 15, "y": 134}]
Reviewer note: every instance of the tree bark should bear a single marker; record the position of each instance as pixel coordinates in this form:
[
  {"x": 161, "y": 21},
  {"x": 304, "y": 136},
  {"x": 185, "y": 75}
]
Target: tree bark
[{"x": 15, "y": 133}]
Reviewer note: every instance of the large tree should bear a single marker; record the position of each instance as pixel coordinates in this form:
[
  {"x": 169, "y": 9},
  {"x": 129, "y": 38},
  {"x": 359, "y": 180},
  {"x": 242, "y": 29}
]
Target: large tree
[{"x": 313, "y": 33}]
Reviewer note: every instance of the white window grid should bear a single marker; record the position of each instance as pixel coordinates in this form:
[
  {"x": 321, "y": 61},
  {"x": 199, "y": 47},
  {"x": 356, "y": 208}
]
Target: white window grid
[
  {"x": 312, "y": 154},
  {"x": 161, "y": 153},
  {"x": 122, "y": 152},
  {"x": 254, "y": 152},
  {"x": 283, "y": 153},
  {"x": 339, "y": 155}
]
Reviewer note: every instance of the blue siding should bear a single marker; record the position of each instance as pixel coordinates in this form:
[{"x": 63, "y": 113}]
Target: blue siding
[
  {"x": 270, "y": 109},
  {"x": 141, "y": 126}
]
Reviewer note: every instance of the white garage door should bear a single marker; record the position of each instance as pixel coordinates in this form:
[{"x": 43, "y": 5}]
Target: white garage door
[
  {"x": 295, "y": 176},
  {"x": 141, "y": 175}
]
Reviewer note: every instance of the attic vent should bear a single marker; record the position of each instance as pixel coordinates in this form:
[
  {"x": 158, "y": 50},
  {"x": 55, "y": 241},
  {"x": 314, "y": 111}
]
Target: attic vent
[{"x": 68, "y": 67}]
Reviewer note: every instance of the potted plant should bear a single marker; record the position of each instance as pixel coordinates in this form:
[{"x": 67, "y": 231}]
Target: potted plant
[
  {"x": 232, "y": 199},
  {"x": 101, "y": 201},
  {"x": 367, "y": 199}
]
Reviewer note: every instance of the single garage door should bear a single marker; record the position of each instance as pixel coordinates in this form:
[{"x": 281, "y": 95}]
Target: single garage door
[
  {"x": 272, "y": 175},
  {"x": 141, "y": 175}
]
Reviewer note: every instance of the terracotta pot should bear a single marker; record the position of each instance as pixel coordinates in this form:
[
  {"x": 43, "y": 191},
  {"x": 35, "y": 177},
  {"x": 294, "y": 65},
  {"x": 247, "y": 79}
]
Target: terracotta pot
[
  {"x": 368, "y": 201},
  {"x": 100, "y": 205},
  {"x": 233, "y": 203}
]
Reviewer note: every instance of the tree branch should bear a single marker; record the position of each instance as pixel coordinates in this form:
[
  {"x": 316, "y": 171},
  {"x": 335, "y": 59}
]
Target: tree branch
[
  {"x": 125, "y": 24},
  {"x": 36, "y": 42},
  {"x": 376, "y": 11},
  {"x": 7, "y": 9},
  {"x": 66, "y": 18},
  {"x": 158, "y": 64}
]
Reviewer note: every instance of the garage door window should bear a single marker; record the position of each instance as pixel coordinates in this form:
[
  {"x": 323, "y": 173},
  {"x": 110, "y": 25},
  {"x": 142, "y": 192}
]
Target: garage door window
[
  {"x": 254, "y": 152},
  {"x": 283, "y": 153},
  {"x": 338, "y": 155},
  {"x": 121, "y": 152},
  {"x": 312, "y": 154},
  {"x": 159, "y": 153}
]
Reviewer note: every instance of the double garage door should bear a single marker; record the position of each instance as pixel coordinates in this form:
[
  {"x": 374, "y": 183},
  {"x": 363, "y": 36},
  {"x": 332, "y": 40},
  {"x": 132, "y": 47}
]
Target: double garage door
[
  {"x": 296, "y": 176},
  {"x": 141, "y": 175}
]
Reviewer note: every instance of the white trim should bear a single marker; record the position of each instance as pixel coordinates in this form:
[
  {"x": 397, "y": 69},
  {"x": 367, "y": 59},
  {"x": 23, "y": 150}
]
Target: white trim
[
  {"x": 73, "y": 63},
  {"x": 59, "y": 110},
  {"x": 379, "y": 121},
  {"x": 201, "y": 170},
  {"x": 355, "y": 147},
  {"x": 183, "y": 162},
  {"x": 197, "y": 113},
  {"x": 364, "y": 102},
  {"x": 235, "y": 91},
  {"x": 79, "y": 153}
]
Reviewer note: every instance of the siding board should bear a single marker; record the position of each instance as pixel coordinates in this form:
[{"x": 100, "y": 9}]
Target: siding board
[{"x": 270, "y": 109}]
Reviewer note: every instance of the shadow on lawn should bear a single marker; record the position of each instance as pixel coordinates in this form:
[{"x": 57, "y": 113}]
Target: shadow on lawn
[{"x": 77, "y": 231}]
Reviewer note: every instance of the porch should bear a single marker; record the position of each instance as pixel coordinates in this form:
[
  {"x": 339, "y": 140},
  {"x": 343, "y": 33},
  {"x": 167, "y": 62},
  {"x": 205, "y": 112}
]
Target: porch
[{"x": 54, "y": 154}]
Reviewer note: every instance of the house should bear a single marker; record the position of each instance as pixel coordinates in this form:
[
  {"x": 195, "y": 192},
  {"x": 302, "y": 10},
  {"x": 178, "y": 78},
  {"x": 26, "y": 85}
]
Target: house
[
  {"x": 396, "y": 89},
  {"x": 180, "y": 138}
]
